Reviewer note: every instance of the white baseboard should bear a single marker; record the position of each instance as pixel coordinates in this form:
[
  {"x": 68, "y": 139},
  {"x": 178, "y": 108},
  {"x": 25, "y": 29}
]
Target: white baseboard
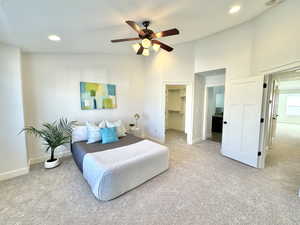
[
  {"x": 40, "y": 159},
  {"x": 154, "y": 139},
  {"x": 14, "y": 173}
]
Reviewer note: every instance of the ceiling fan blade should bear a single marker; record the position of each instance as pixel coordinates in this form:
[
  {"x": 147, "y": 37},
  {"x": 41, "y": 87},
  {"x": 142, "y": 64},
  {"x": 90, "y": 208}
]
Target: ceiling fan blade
[
  {"x": 166, "y": 33},
  {"x": 125, "y": 39},
  {"x": 162, "y": 45},
  {"x": 140, "y": 51},
  {"x": 136, "y": 27}
]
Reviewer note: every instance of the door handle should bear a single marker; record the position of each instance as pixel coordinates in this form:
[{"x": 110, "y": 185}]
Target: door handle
[{"x": 225, "y": 122}]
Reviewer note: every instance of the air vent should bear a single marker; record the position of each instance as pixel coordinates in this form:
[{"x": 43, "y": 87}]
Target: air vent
[{"x": 274, "y": 2}]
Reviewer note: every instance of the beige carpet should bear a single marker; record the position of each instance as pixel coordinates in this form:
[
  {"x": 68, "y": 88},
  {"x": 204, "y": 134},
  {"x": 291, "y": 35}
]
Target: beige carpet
[{"x": 201, "y": 187}]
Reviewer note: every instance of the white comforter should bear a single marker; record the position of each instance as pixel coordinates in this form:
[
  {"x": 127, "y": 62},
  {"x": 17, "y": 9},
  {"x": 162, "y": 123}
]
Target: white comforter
[{"x": 113, "y": 172}]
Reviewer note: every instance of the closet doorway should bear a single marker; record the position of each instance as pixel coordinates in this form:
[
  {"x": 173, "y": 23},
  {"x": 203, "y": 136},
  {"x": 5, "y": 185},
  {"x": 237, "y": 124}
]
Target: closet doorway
[{"x": 175, "y": 114}]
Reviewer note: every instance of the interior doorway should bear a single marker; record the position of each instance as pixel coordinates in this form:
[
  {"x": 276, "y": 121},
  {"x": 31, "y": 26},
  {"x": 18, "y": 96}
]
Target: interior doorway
[
  {"x": 209, "y": 98},
  {"x": 214, "y": 112},
  {"x": 283, "y": 128},
  {"x": 175, "y": 113}
]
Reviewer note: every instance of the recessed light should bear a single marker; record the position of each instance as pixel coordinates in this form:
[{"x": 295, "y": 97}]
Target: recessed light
[
  {"x": 54, "y": 37},
  {"x": 235, "y": 9}
]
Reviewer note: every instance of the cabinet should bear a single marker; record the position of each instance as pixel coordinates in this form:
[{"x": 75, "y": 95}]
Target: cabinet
[{"x": 217, "y": 124}]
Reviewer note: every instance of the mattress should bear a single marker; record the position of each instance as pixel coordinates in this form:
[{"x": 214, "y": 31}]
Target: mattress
[
  {"x": 111, "y": 170},
  {"x": 80, "y": 149}
]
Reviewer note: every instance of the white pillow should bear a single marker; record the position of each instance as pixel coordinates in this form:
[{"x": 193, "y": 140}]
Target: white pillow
[
  {"x": 102, "y": 124},
  {"x": 121, "y": 130},
  {"x": 79, "y": 133},
  {"x": 93, "y": 132}
]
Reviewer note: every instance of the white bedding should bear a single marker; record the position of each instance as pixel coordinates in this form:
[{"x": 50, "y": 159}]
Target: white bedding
[{"x": 113, "y": 172}]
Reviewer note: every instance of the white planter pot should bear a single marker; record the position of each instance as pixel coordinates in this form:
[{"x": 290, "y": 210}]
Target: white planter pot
[{"x": 50, "y": 165}]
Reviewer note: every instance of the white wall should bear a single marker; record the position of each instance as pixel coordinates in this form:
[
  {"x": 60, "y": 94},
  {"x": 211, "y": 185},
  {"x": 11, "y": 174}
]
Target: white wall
[
  {"x": 51, "y": 88},
  {"x": 216, "y": 80},
  {"x": 13, "y": 155},
  {"x": 51, "y": 81},
  {"x": 277, "y": 38},
  {"x": 230, "y": 49},
  {"x": 268, "y": 41},
  {"x": 177, "y": 66}
]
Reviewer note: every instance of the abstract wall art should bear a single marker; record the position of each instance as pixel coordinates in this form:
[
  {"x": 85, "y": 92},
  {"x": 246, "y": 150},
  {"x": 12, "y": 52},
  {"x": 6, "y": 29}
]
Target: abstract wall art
[{"x": 97, "y": 96}]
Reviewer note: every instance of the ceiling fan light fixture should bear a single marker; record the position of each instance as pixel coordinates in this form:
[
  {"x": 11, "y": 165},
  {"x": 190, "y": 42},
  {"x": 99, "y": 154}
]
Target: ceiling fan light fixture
[
  {"x": 136, "y": 47},
  {"x": 147, "y": 38},
  {"x": 156, "y": 47},
  {"x": 146, "y": 52},
  {"x": 146, "y": 43}
]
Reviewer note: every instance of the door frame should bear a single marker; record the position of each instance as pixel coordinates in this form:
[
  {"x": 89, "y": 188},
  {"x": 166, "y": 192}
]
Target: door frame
[
  {"x": 205, "y": 105},
  {"x": 202, "y": 118},
  {"x": 188, "y": 108},
  {"x": 267, "y": 73}
]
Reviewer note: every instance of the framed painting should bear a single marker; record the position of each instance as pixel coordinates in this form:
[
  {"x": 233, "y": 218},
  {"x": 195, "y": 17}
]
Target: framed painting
[{"x": 97, "y": 96}]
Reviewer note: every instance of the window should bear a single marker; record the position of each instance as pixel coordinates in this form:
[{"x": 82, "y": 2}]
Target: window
[{"x": 293, "y": 105}]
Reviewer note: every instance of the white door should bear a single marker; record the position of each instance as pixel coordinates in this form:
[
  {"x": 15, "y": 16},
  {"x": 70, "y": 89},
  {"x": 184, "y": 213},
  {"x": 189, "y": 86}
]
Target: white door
[{"x": 241, "y": 128}]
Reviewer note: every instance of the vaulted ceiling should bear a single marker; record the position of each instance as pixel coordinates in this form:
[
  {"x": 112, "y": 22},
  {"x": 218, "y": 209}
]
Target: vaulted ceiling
[{"x": 89, "y": 25}]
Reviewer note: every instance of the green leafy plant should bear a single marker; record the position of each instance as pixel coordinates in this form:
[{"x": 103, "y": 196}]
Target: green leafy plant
[
  {"x": 93, "y": 93},
  {"x": 53, "y": 134}
]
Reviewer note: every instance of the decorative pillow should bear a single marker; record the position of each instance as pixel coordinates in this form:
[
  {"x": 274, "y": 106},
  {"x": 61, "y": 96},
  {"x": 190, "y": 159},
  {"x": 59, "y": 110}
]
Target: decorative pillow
[
  {"x": 109, "y": 135},
  {"x": 121, "y": 130},
  {"x": 79, "y": 133},
  {"x": 93, "y": 132},
  {"x": 102, "y": 124}
]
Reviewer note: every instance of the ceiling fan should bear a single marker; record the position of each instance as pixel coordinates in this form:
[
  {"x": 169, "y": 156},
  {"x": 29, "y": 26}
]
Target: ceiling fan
[{"x": 148, "y": 38}]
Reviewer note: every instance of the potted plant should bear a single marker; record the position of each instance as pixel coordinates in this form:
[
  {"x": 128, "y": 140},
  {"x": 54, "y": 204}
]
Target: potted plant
[{"x": 53, "y": 135}]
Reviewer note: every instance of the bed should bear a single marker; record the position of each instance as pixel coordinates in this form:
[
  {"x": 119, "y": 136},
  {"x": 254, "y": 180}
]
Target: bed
[{"x": 115, "y": 168}]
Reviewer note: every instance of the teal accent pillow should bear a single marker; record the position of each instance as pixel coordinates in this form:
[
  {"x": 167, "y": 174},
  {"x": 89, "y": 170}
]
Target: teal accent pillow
[{"x": 109, "y": 135}]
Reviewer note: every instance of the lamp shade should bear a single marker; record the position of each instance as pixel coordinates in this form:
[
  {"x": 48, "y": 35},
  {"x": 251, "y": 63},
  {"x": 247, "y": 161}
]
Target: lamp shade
[
  {"x": 156, "y": 47},
  {"x": 146, "y": 43},
  {"x": 136, "y": 47},
  {"x": 146, "y": 52}
]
